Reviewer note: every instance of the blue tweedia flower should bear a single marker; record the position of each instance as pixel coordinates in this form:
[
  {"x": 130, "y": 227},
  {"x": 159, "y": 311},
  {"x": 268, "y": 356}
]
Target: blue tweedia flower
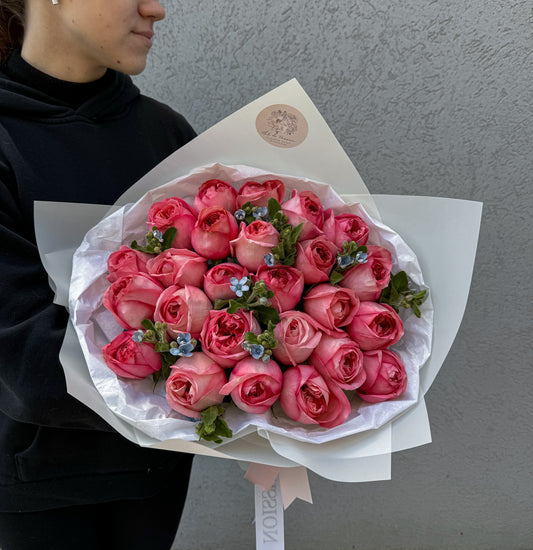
[
  {"x": 257, "y": 351},
  {"x": 185, "y": 345},
  {"x": 239, "y": 286},
  {"x": 345, "y": 261},
  {"x": 361, "y": 257},
  {"x": 269, "y": 259},
  {"x": 246, "y": 346},
  {"x": 240, "y": 215},
  {"x": 137, "y": 336},
  {"x": 158, "y": 235},
  {"x": 261, "y": 212}
]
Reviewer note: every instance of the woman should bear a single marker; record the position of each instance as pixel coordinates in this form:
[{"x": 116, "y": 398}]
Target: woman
[{"x": 73, "y": 128}]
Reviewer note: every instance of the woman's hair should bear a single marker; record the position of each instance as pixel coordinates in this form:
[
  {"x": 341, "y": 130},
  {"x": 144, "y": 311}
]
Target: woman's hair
[{"x": 11, "y": 26}]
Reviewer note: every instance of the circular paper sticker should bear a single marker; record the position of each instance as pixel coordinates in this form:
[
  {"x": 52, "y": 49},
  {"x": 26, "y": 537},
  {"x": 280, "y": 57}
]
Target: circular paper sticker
[{"x": 282, "y": 126}]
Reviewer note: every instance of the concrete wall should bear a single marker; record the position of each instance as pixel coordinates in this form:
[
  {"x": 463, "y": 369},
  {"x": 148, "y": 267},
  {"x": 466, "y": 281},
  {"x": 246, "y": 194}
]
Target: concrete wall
[{"x": 427, "y": 98}]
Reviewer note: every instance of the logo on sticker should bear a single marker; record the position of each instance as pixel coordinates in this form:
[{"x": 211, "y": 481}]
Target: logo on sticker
[{"x": 282, "y": 126}]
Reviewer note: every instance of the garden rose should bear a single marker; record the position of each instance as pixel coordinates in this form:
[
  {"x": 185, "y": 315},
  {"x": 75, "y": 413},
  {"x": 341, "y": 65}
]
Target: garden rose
[
  {"x": 131, "y": 299},
  {"x": 183, "y": 309},
  {"x": 385, "y": 376},
  {"x": 257, "y": 194},
  {"x": 298, "y": 335},
  {"x": 194, "y": 384},
  {"x": 126, "y": 261},
  {"x": 332, "y": 307},
  {"x": 341, "y": 360},
  {"x": 369, "y": 279},
  {"x": 178, "y": 266},
  {"x": 305, "y": 208},
  {"x": 173, "y": 212},
  {"x": 223, "y": 333},
  {"x": 217, "y": 280},
  {"x": 315, "y": 258},
  {"x": 130, "y": 359},
  {"x": 285, "y": 281},
  {"x": 254, "y": 385},
  {"x": 308, "y": 398},
  {"x": 345, "y": 227},
  {"x": 254, "y": 241},
  {"x": 215, "y": 193},
  {"x": 214, "y": 230},
  {"x": 375, "y": 326}
]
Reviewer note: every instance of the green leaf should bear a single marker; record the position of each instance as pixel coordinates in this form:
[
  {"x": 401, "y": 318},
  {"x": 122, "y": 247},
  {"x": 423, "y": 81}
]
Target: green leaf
[
  {"x": 162, "y": 347},
  {"x": 336, "y": 277},
  {"x": 148, "y": 324},
  {"x": 273, "y": 207},
  {"x": 212, "y": 425}
]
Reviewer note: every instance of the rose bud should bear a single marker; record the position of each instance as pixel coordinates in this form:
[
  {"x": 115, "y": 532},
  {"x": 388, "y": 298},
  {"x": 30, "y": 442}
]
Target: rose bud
[
  {"x": 223, "y": 333},
  {"x": 285, "y": 281},
  {"x": 315, "y": 258},
  {"x": 217, "y": 280},
  {"x": 308, "y": 398},
  {"x": 132, "y": 299},
  {"x": 254, "y": 241},
  {"x": 257, "y": 194},
  {"x": 305, "y": 208},
  {"x": 178, "y": 266},
  {"x": 214, "y": 230},
  {"x": 375, "y": 326},
  {"x": 126, "y": 261},
  {"x": 173, "y": 212},
  {"x": 194, "y": 384},
  {"x": 369, "y": 279},
  {"x": 254, "y": 385},
  {"x": 331, "y": 307},
  {"x": 345, "y": 227},
  {"x": 131, "y": 359},
  {"x": 298, "y": 335},
  {"x": 341, "y": 360},
  {"x": 385, "y": 376},
  {"x": 215, "y": 193},
  {"x": 183, "y": 310}
]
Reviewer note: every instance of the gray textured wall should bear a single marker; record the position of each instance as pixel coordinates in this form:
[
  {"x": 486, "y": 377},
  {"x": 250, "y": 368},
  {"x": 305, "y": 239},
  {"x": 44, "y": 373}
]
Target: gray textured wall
[{"x": 427, "y": 98}]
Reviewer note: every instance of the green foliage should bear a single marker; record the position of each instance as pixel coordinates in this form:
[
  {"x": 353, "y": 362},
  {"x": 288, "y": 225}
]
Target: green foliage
[
  {"x": 155, "y": 245},
  {"x": 212, "y": 426},
  {"x": 399, "y": 294}
]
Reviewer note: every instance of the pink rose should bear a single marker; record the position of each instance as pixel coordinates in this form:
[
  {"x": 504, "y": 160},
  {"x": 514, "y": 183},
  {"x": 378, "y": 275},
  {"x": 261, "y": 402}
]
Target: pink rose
[
  {"x": 173, "y": 212},
  {"x": 345, "y": 227},
  {"x": 332, "y": 307},
  {"x": 126, "y": 261},
  {"x": 223, "y": 333},
  {"x": 178, "y": 266},
  {"x": 375, "y": 326},
  {"x": 385, "y": 376},
  {"x": 215, "y": 193},
  {"x": 285, "y": 281},
  {"x": 214, "y": 230},
  {"x": 298, "y": 335},
  {"x": 217, "y": 280},
  {"x": 254, "y": 241},
  {"x": 254, "y": 385},
  {"x": 341, "y": 360},
  {"x": 315, "y": 258},
  {"x": 308, "y": 398},
  {"x": 257, "y": 194},
  {"x": 183, "y": 310},
  {"x": 305, "y": 208},
  {"x": 130, "y": 359},
  {"x": 369, "y": 279},
  {"x": 194, "y": 384},
  {"x": 131, "y": 299}
]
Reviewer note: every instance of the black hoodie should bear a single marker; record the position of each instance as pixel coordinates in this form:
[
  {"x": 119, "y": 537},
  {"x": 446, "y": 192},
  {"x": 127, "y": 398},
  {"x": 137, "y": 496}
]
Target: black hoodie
[{"x": 61, "y": 141}]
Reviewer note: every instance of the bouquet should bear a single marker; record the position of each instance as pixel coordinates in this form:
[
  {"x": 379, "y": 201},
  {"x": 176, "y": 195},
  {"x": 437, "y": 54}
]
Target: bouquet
[{"x": 251, "y": 303}]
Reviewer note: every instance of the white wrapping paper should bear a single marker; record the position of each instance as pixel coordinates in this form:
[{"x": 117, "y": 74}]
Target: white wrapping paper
[
  {"x": 138, "y": 404},
  {"x": 431, "y": 226}
]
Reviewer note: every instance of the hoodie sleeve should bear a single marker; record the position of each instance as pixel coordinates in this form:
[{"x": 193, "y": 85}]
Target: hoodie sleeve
[{"x": 32, "y": 383}]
